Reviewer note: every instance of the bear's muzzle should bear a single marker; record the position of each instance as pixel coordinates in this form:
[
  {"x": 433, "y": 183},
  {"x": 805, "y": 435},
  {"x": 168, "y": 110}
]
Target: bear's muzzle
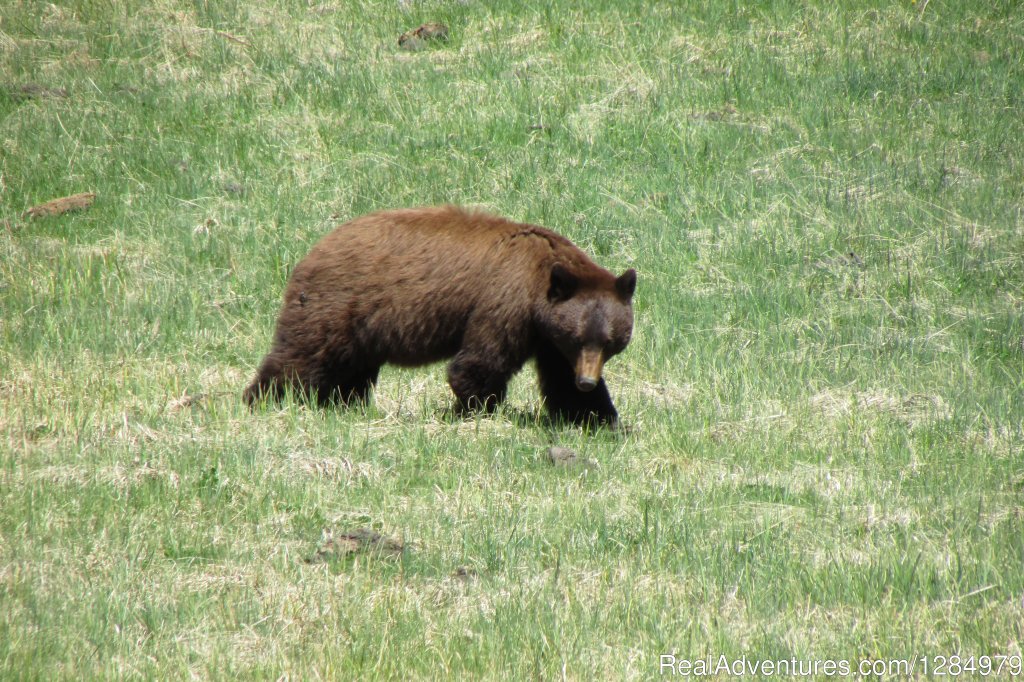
[{"x": 588, "y": 369}]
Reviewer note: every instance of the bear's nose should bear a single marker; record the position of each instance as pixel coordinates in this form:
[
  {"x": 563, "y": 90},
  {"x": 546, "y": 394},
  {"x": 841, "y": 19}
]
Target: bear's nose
[{"x": 586, "y": 383}]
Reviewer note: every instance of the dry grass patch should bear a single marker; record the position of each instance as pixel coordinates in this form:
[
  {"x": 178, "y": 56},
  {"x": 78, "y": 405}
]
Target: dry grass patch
[
  {"x": 913, "y": 409},
  {"x": 336, "y": 469}
]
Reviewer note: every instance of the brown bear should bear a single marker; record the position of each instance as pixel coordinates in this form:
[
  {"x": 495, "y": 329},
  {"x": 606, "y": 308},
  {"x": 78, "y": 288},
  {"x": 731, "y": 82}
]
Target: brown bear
[{"x": 415, "y": 286}]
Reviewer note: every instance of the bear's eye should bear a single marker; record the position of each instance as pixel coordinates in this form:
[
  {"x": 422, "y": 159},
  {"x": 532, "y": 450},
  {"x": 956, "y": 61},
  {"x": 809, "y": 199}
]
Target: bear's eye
[{"x": 616, "y": 346}]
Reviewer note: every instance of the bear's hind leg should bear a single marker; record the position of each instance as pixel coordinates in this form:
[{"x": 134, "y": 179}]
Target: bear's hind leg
[
  {"x": 267, "y": 385},
  {"x": 311, "y": 378},
  {"x": 566, "y": 402},
  {"x": 261, "y": 389}
]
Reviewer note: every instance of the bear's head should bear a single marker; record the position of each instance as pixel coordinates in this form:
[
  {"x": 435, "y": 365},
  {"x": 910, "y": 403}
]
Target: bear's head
[{"x": 589, "y": 318}]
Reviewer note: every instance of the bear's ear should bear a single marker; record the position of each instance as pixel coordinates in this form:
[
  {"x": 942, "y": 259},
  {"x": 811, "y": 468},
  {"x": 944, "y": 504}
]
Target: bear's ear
[
  {"x": 625, "y": 284},
  {"x": 563, "y": 284}
]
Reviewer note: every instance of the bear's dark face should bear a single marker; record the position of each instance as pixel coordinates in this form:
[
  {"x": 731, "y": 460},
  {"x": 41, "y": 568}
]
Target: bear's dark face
[{"x": 588, "y": 321}]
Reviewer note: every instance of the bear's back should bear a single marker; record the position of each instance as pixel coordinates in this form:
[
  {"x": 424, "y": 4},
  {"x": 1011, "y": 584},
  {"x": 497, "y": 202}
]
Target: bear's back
[
  {"x": 432, "y": 227},
  {"x": 446, "y": 241}
]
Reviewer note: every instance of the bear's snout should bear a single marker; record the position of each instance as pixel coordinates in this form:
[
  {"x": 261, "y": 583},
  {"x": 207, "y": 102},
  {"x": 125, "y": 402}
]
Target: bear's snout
[{"x": 588, "y": 369}]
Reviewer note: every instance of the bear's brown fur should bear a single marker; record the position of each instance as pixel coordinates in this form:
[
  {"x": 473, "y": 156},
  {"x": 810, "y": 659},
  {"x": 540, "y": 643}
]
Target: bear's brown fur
[{"x": 415, "y": 286}]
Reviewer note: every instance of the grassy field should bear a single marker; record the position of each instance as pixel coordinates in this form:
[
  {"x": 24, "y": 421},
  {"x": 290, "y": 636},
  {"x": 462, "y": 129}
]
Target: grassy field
[{"x": 824, "y": 421}]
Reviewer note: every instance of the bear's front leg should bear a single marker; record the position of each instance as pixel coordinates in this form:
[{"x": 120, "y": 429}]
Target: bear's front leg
[
  {"x": 478, "y": 382},
  {"x": 566, "y": 402}
]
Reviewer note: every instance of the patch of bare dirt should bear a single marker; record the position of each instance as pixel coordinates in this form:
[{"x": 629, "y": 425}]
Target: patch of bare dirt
[
  {"x": 364, "y": 541},
  {"x": 28, "y": 91},
  {"x": 55, "y": 207}
]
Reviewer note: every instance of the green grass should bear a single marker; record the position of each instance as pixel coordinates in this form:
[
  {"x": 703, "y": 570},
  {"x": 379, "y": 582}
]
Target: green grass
[{"x": 823, "y": 455}]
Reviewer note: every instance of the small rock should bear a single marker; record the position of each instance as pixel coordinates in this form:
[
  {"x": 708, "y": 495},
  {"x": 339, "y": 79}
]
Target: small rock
[
  {"x": 849, "y": 259},
  {"x": 411, "y": 43},
  {"x": 203, "y": 228},
  {"x": 566, "y": 457},
  {"x": 417, "y": 38},
  {"x": 185, "y": 401},
  {"x": 726, "y": 112},
  {"x": 464, "y": 573}
]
